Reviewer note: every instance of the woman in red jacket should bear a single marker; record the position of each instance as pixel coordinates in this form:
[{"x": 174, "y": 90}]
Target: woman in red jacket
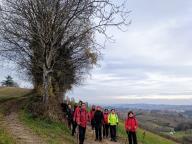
[
  {"x": 82, "y": 118},
  {"x": 131, "y": 127}
]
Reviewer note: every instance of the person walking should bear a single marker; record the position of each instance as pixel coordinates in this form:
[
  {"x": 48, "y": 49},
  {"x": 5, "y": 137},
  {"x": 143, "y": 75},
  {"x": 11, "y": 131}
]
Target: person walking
[
  {"x": 75, "y": 116},
  {"x": 113, "y": 122},
  {"x": 98, "y": 117},
  {"x": 105, "y": 124},
  {"x": 69, "y": 116},
  {"x": 82, "y": 118},
  {"x": 92, "y": 112},
  {"x": 74, "y": 123},
  {"x": 131, "y": 126}
]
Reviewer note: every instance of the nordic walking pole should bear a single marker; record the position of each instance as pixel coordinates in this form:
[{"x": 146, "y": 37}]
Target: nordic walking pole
[{"x": 102, "y": 130}]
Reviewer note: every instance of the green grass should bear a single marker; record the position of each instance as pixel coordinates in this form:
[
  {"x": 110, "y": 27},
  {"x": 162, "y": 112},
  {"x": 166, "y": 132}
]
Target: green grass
[
  {"x": 52, "y": 132},
  {"x": 5, "y": 138},
  {"x": 8, "y": 93},
  {"x": 150, "y": 138}
]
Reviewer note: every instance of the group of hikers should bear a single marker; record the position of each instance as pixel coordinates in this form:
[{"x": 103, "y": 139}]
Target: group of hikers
[{"x": 103, "y": 122}]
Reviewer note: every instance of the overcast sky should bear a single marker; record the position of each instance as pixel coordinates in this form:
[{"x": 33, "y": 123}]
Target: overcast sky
[{"x": 150, "y": 63}]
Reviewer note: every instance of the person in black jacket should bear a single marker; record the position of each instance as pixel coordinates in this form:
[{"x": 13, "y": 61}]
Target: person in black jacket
[
  {"x": 98, "y": 117},
  {"x": 69, "y": 116},
  {"x": 74, "y": 123}
]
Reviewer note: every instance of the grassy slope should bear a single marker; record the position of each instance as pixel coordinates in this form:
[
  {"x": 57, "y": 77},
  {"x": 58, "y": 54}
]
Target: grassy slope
[
  {"x": 52, "y": 132},
  {"x": 13, "y": 92},
  {"x": 7, "y": 93},
  {"x": 150, "y": 138}
]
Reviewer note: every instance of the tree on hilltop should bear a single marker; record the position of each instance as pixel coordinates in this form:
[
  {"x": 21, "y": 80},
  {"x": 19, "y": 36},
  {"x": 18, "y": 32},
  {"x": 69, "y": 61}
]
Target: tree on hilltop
[{"x": 9, "y": 82}]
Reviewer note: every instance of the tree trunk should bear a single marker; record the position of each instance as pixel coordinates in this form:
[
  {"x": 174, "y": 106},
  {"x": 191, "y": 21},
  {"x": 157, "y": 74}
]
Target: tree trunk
[
  {"x": 60, "y": 96},
  {"x": 47, "y": 85},
  {"x": 52, "y": 107}
]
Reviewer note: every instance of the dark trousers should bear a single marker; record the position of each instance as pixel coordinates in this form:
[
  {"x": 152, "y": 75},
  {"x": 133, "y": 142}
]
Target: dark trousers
[
  {"x": 70, "y": 122},
  {"x": 113, "y": 132},
  {"x": 82, "y": 131},
  {"x": 132, "y": 137},
  {"x": 92, "y": 124},
  {"x": 105, "y": 130},
  {"x": 74, "y": 128},
  {"x": 98, "y": 133}
]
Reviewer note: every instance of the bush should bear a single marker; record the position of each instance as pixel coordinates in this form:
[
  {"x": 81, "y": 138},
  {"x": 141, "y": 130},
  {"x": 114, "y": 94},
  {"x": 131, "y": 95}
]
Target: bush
[{"x": 183, "y": 126}]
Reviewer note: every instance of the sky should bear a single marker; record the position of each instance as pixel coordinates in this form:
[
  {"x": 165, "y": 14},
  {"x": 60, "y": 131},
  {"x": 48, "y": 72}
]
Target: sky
[{"x": 149, "y": 63}]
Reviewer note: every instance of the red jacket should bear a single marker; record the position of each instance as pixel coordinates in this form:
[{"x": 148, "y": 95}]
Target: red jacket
[
  {"x": 82, "y": 117},
  {"x": 131, "y": 124},
  {"x": 105, "y": 115},
  {"x": 77, "y": 110}
]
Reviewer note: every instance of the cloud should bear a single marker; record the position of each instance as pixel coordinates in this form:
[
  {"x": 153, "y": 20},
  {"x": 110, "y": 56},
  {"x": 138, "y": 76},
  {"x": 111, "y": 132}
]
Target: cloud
[{"x": 150, "y": 63}]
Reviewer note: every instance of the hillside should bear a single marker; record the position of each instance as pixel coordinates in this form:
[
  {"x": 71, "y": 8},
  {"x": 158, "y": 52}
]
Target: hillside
[
  {"x": 150, "y": 138},
  {"x": 7, "y": 93},
  {"x": 19, "y": 126}
]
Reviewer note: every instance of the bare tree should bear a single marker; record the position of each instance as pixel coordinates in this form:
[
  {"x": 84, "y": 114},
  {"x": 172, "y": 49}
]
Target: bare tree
[{"x": 54, "y": 40}]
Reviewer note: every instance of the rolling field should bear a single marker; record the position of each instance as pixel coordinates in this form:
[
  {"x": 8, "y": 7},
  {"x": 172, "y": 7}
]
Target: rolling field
[{"x": 7, "y": 93}]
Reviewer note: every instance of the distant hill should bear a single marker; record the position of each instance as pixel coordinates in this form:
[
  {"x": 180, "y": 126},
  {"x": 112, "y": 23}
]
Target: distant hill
[
  {"x": 13, "y": 91},
  {"x": 154, "y": 107}
]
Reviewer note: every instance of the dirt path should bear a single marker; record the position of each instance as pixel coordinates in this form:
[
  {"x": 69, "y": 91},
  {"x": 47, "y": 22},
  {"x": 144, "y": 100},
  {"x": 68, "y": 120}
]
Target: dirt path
[
  {"x": 10, "y": 121},
  {"x": 22, "y": 134},
  {"x": 90, "y": 138}
]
